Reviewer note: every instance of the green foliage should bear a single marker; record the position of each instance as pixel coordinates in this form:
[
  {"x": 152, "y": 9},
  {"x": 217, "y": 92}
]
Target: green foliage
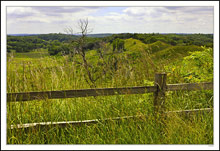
[
  {"x": 198, "y": 66},
  {"x": 41, "y": 53},
  {"x": 176, "y": 52},
  {"x": 118, "y": 44},
  {"x": 172, "y": 39},
  {"x": 29, "y": 43},
  {"x": 133, "y": 45},
  {"x": 60, "y": 37},
  {"x": 133, "y": 67},
  {"x": 24, "y": 43},
  {"x": 56, "y": 48},
  {"x": 157, "y": 46}
]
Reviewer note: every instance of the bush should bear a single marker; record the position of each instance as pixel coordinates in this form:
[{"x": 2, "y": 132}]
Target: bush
[{"x": 198, "y": 66}]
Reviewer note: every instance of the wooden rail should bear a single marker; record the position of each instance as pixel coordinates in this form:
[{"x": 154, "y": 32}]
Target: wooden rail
[
  {"x": 158, "y": 89},
  {"x": 94, "y": 121},
  {"x": 28, "y": 96},
  {"x": 190, "y": 86}
]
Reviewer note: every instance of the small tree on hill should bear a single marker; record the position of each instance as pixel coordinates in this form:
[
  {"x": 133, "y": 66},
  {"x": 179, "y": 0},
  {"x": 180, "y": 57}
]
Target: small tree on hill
[{"x": 80, "y": 47}]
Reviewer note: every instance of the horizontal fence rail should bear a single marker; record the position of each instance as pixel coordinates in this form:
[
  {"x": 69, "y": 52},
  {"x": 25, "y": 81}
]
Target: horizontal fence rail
[
  {"x": 28, "y": 96},
  {"x": 94, "y": 121},
  {"x": 190, "y": 86},
  {"x": 159, "y": 89}
]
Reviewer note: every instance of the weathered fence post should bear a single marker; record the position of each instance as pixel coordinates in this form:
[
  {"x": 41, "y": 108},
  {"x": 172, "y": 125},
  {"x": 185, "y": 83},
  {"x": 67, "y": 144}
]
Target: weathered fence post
[
  {"x": 159, "y": 102},
  {"x": 159, "y": 95}
]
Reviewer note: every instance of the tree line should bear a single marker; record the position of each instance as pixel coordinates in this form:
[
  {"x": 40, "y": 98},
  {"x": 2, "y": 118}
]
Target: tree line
[
  {"x": 57, "y": 43},
  {"x": 172, "y": 39}
]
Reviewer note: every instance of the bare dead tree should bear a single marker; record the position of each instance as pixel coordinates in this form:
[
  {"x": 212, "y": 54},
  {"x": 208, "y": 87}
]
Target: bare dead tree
[
  {"x": 84, "y": 29},
  {"x": 83, "y": 26}
]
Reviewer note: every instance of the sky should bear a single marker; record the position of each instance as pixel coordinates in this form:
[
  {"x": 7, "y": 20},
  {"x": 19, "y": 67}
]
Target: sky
[{"x": 55, "y": 19}]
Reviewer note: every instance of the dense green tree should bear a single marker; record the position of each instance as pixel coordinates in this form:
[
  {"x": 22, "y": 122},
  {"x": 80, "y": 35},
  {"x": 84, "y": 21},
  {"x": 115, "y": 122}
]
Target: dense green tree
[
  {"x": 30, "y": 43},
  {"x": 118, "y": 44},
  {"x": 24, "y": 43}
]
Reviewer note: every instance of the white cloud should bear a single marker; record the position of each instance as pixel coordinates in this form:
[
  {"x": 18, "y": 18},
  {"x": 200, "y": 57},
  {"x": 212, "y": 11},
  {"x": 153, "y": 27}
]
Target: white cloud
[
  {"x": 130, "y": 19},
  {"x": 19, "y": 10}
]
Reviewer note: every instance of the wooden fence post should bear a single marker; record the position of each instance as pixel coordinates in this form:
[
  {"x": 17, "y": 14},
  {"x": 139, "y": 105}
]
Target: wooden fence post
[
  {"x": 159, "y": 95},
  {"x": 159, "y": 102}
]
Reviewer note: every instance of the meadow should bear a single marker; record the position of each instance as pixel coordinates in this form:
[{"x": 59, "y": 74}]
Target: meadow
[{"x": 136, "y": 66}]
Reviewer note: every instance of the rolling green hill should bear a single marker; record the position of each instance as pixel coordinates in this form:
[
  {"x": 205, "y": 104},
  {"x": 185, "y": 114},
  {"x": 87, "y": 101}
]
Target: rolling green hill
[
  {"x": 176, "y": 52},
  {"x": 157, "y": 46},
  {"x": 133, "y": 64},
  {"x": 158, "y": 50}
]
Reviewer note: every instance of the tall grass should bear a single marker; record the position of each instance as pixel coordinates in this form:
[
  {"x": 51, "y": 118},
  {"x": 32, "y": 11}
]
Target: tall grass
[{"x": 58, "y": 73}]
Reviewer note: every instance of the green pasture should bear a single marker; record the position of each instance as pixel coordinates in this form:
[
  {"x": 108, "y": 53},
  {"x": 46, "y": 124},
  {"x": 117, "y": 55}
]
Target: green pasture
[{"x": 37, "y": 71}]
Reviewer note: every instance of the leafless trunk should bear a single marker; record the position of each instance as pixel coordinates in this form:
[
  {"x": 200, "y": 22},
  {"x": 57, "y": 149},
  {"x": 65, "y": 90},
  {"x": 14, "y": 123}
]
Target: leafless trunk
[{"x": 81, "y": 42}]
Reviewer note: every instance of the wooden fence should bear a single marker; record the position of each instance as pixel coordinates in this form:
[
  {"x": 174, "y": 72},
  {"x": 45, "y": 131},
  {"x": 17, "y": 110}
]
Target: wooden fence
[
  {"x": 159, "y": 89},
  {"x": 28, "y": 96}
]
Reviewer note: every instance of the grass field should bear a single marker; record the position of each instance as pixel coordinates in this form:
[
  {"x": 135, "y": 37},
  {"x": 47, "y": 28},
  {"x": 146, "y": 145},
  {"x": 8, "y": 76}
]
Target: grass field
[{"x": 31, "y": 72}]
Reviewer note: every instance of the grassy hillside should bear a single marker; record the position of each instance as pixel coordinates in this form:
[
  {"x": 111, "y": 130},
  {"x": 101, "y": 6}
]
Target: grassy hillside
[
  {"x": 135, "y": 65},
  {"x": 136, "y": 45},
  {"x": 157, "y": 46},
  {"x": 176, "y": 52}
]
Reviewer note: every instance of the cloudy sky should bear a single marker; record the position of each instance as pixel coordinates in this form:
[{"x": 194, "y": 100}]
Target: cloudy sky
[{"x": 172, "y": 19}]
